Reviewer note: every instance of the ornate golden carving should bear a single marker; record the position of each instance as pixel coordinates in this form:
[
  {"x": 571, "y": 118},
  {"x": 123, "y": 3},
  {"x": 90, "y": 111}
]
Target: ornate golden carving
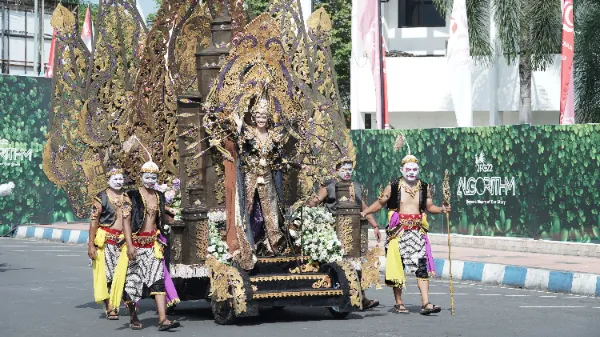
[
  {"x": 226, "y": 282},
  {"x": 370, "y": 268},
  {"x": 344, "y": 231},
  {"x": 202, "y": 239},
  {"x": 288, "y": 278},
  {"x": 282, "y": 259},
  {"x": 176, "y": 248},
  {"x": 306, "y": 268},
  {"x": 305, "y": 293},
  {"x": 356, "y": 297},
  {"x": 324, "y": 282}
]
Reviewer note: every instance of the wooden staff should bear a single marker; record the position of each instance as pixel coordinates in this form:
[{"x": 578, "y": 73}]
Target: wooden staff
[{"x": 447, "y": 194}]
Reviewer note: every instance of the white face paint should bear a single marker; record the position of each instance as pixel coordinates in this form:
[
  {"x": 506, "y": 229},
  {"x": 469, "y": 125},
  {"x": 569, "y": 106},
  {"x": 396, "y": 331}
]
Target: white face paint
[
  {"x": 149, "y": 180},
  {"x": 345, "y": 171},
  {"x": 261, "y": 119},
  {"x": 116, "y": 181},
  {"x": 410, "y": 172}
]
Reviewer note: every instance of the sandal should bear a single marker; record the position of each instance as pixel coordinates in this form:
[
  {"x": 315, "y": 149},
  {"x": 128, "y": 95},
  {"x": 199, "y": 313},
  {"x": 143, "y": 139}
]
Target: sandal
[
  {"x": 369, "y": 304},
  {"x": 399, "y": 309},
  {"x": 135, "y": 325},
  {"x": 433, "y": 310},
  {"x": 112, "y": 315},
  {"x": 165, "y": 327}
]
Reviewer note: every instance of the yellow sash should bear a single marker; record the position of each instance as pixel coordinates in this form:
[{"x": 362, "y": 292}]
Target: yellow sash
[
  {"x": 99, "y": 268},
  {"x": 394, "y": 271}
]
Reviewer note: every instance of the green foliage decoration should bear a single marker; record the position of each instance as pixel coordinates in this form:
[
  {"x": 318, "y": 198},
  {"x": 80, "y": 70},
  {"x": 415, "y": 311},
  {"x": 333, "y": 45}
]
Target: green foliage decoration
[
  {"x": 25, "y": 103},
  {"x": 556, "y": 171}
]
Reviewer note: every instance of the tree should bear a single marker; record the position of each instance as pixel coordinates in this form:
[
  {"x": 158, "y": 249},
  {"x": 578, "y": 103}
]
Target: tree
[
  {"x": 587, "y": 57},
  {"x": 81, "y": 12},
  {"x": 533, "y": 48}
]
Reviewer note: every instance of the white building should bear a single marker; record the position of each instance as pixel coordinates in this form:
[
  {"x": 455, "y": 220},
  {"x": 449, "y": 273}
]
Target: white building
[{"x": 418, "y": 89}]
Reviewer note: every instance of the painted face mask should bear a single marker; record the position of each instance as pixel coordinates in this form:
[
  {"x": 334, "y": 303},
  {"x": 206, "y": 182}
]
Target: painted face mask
[
  {"x": 149, "y": 180},
  {"x": 116, "y": 182},
  {"x": 345, "y": 171},
  {"x": 410, "y": 172}
]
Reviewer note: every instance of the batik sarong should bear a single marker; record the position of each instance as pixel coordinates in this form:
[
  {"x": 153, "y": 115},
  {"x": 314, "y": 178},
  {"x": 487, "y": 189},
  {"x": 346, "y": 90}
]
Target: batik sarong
[{"x": 407, "y": 232}]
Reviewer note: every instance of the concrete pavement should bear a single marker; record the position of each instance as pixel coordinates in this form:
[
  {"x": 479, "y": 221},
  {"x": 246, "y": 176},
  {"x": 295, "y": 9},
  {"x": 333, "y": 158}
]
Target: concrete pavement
[{"x": 46, "y": 290}]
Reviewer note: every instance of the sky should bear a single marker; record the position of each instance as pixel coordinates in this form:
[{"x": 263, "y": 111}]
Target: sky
[{"x": 147, "y": 6}]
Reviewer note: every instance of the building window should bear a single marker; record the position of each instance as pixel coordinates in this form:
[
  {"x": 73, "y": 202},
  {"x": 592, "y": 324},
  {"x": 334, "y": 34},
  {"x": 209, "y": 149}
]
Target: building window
[
  {"x": 368, "y": 121},
  {"x": 419, "y": 13}
]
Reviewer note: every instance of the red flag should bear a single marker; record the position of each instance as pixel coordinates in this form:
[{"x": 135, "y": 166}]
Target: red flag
[
  {"x": 87, "y": 29},
  {"x": 386, "y": 119},
  {"x": 50, "y": 66},
  {"x": 368, "y": 28},
  {"x": 567, "y": 111}
]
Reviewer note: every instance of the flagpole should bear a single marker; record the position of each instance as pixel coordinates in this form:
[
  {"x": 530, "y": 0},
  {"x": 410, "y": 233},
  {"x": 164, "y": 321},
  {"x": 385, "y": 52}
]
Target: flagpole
[{"x": 381, "y": 81}]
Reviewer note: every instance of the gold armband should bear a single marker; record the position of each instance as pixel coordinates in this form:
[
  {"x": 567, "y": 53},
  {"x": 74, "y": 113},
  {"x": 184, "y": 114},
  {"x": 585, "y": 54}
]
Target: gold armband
[{"x": 95, "y": 213}]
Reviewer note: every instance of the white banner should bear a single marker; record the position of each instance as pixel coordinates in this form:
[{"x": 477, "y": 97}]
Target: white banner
[{"x": 459, "y": 59}]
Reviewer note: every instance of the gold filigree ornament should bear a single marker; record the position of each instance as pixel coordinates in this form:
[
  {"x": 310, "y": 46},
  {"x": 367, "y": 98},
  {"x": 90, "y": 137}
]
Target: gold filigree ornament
[
  {"x": 202, "y": 239},
  {"x": 227, "y": 283},
  {"x": 370, "y": 268},
  {"x": 345, "y": 233},
  {"x": 306, "y": 293},
  {"x": 324, "y": 282},
  {"x": 356, "y": 297}
]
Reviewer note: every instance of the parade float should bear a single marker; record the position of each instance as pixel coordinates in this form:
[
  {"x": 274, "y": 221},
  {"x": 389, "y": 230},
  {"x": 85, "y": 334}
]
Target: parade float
[{"x": 189, "y": 89}]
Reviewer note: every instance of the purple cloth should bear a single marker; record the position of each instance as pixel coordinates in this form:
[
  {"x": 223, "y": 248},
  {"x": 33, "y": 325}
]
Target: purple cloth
[
  {"x": 430, "y": 262},
  {"x": 169, "y": 286},
  {"x": 257, "y": 220},
  {"x": 394, "y": 220}
]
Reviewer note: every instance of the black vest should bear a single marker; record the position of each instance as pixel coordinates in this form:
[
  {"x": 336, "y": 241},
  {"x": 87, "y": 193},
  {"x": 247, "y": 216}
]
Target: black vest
[
  {"x": 331, "y": 201},
  {"x": 108, "y": 214},
  {"x": 138, "y": 215},
  {"x": 394, "y": 200}
]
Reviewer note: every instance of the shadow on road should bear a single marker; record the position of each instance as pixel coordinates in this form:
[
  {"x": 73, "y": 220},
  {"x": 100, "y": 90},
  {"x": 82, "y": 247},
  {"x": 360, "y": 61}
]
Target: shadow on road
[{"x": 4, "y": 267}]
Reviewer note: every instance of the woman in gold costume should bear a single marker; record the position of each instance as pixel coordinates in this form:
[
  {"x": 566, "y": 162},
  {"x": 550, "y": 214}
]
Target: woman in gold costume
[{"x": 259, "y": 184}]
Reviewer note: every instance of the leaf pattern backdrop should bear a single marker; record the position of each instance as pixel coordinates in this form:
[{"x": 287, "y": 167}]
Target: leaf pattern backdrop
[
  {"x": 25, "y": 107},
  {"x": 556, "y": 171}
]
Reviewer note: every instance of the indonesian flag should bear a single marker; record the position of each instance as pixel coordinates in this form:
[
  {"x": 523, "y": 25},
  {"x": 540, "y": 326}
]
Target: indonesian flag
[
  {"x": 458, "y": 59},
  {"x": 50, "y": 66},
  {"x": 567, "y": 106},
  {"x": 368, "y": 30},
  {"x": 87, "y": 30}
]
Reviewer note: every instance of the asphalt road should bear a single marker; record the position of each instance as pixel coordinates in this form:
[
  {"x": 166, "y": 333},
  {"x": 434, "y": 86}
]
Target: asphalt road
[{"x": 46, "y": 290}]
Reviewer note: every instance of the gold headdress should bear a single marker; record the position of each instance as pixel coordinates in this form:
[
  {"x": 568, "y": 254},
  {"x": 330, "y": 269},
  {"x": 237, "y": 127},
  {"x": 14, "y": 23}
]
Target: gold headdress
[
  {"x": 149, "y": 166},
  {"x": 344, "y": 159},
  {"x": 409, "y": 159},
  {"x": 113, "y": 171}
]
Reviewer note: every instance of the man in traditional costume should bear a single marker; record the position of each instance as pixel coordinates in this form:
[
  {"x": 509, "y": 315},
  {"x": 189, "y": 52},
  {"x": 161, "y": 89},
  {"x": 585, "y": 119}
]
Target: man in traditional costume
[
  {"x": 407, "y": 198},
  {"x": 328, "y": 196},
  {"x": 109, "y": 209},
  {"x": 146, "y": 236}
]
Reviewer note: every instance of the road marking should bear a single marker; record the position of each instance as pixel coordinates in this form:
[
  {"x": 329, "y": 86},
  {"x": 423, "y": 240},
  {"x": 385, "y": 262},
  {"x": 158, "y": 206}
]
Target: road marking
[
  {"x": 548, "y": 296},
  {"x": 573, "y": 297},
  {"x": 552, "y": 306},
  {"x": 596, "y": 307},
  {"x": 51, "y": 250},
  {"x": 517, "y": 295}
]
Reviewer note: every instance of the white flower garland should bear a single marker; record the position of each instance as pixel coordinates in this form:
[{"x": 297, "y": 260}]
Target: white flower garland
[
  {"x": 319, "y": 239},
  {"x": 216, "y": 246}
]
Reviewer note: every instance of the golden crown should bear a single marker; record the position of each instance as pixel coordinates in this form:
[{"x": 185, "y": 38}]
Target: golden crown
[
  {"x": 113, "y": 171},
  {"x": 410, "y": 159},
  {"x": 344, "y": 159},
  {"x": 150, "y": 167}
]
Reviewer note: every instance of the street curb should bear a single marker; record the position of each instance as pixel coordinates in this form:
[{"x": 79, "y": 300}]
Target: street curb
[
  {"x": 517, "y": 276},
  {"x": 492, "y": 273},
  {"x": 52, "y": 234}
]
